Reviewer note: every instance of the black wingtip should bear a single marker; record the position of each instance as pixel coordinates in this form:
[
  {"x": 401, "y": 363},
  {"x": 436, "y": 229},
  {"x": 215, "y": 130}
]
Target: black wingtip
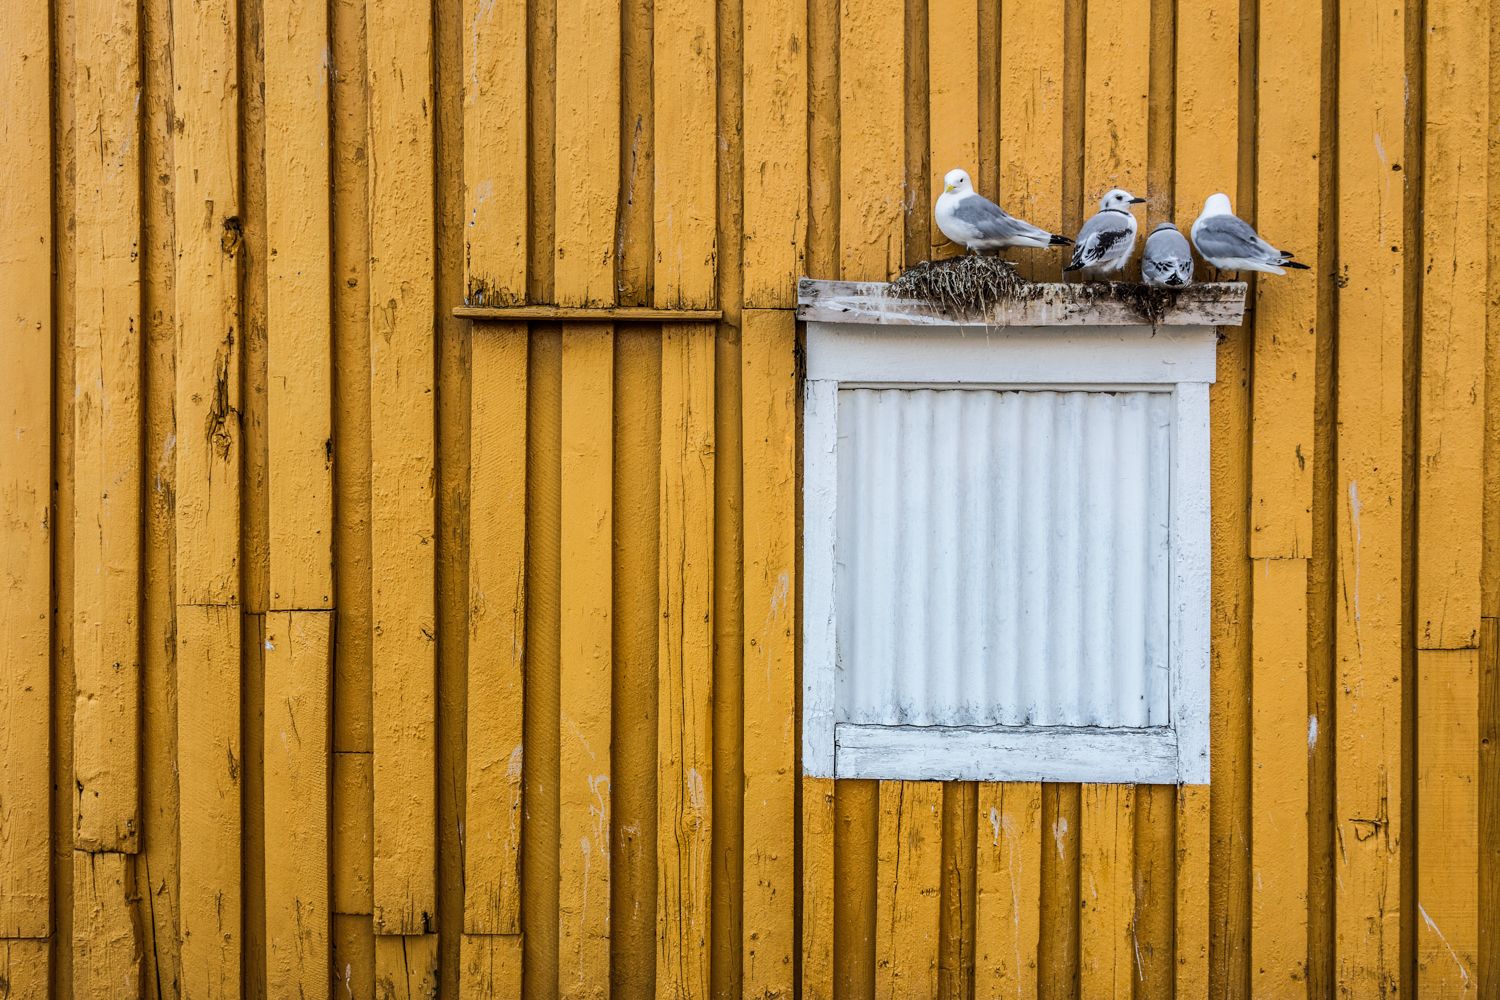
[
  {"x": 1295, "y": 266},
  {"x": 1072, "y": 267},
  {"x": 1061, "y": 241}
]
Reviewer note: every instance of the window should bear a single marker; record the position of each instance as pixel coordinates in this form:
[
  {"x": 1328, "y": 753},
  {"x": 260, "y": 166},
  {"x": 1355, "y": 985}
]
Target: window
[{"x": 1007, "y": 541}]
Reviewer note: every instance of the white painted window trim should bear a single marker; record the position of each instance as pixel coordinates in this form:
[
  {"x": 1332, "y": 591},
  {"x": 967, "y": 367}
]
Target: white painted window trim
[{"x": 1177, "y": 359}]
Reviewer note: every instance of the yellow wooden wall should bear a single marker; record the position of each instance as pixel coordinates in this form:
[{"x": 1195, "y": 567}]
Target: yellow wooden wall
[{"x": 348, "y": 645}]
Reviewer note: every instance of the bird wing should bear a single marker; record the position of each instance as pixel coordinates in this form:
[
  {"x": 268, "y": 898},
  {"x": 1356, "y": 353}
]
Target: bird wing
[
  {"x": 1100, "y": 239},
  {"x": 1167, "y": 252},
  {"x": 991, "y": 222},
  {"x": 1228, "y": 237}
]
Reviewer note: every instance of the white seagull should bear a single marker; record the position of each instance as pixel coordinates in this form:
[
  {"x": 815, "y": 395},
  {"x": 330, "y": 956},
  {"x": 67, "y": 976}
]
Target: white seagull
[
  {"x": 1168, "y": 260},
  {"x": 1230, "y": 244},
  {"x": 972, "y": 220},
  {"x": 1106, "y": 241}
]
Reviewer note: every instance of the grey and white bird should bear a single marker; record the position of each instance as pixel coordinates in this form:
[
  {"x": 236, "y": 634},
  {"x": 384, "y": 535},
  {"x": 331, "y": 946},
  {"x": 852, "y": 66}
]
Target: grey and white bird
[
  {"x": 1105, "y": 242},
  {"x": 1231, "y": 244},
  {"x": 973, "y": 221},
  {"x": 1167, "y": 260}
]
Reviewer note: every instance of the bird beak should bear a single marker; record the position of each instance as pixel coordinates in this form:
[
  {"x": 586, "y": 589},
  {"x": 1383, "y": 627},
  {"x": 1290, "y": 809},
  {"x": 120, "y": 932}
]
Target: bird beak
[
  {"x": 1138, "y": 201},
  {"x": 948, "y": 189}
]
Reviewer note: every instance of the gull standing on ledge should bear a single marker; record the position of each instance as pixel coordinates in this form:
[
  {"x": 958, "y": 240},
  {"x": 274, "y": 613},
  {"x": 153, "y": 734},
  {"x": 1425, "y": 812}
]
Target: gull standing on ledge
[
  {"x": 1106, "y": 241},
  {"x": 972, "y": 220},
  {"x": 1168, "y": 259},
  {"x": 1230, "y": 244}
]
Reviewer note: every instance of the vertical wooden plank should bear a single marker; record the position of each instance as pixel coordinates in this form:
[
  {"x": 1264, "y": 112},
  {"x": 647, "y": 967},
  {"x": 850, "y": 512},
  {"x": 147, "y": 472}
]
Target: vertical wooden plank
[
  {"x": 1370, "y": 626},
  {"x": 775, "y": 151},
  {"x": 26, "y": 361},
  {"x": 106, "y": 939},
  {"x": 768, "y": 410},
  {"x": 1281, "y": 743},
  {"x": 818, "y": 890},
  {"x": 1117, "y": 87},
  {"x": 685, "y": 111},
  {"x": 1031, "y": 121},
  {"x": 952, "y": 95},
  {"x": 1488, "y": 956},
  {"x": 1008, "y": 891},
  {"x": 299, "y": 344},
  {"x": 406, "y": 966},
  {"x": 872, "y": 145},
  {"x": 206, "y": 200},
  {"x": 24, "y": 965},
  {"x": 353, "y": 957},
  {"x": 1286, "y": 198},
  {"x": 1190, "y": 914},
  {"x": 1206, "y": 143},
  {"x": 491, "y": 966},
  {"x": 107, "y": 431},
  {"x": 823, "y": 254},
  {"x": 1450, "y": 458},
  {"x": 1106, "y": 906},
  {"x": 352, "y": 882},
  {"x": 209, "y": 768},
  {"x": 587, "y": 145},
  {"x": 402, "y": 371},
  {"x": 584, "y": 768},
  {"x": 496, "y": 122},
  {"x": 298, "y": 649},
  {"x": 1447, "y": 875},
  {"x": 908, "y": 875},
  {"x": 685, "y": 662},
  {"x": 497, "y": 629}
]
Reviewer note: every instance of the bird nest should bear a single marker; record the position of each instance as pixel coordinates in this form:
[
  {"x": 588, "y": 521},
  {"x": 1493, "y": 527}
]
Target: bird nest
[{"x": 971, "y": 286}]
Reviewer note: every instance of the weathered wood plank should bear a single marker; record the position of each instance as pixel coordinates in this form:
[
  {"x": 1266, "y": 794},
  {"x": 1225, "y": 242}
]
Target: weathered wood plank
[
  {"x": 1450, "y": 456},
  {"x": 818, "y": 890},
  {"x": 353, "y": 851},
  {"x": 1371, "y": 623},
  {"x": 1052, "y": 305},
  {"x": 406, "y": 966},
  {"x": 1448, "y": 845},
  {"x": 685, "y": 664},
  {"x": 107, "y": 431},
  {"x": 587, "y": 146},
  {"x": 491, "y": 966},
  {"x": 584, "y": 771},
  {"x": 25, "y": 964},
  {"x": 872, "y": 145},
  {"x": 1117, "y": 86},
  {"x": 496, "y": 120},
  {"x": 106, "y": 946},
  {"x": 353, "y": 957},
  {"x": 907, "y": 880},
  {"x": 1282, "y": 738},
  {"x": 767, "y": 422},
  {"x": 685, "y": 113},
  {"x": 298, "y": 670},
  {"x": 952, "y": 101},
  {"x": 497, "y": 630},
  {"x": 299, "y": 304},
  {"x": 402, "y": 369},
  {"x": 1008, "y": 890},
  {"x": 775, "y": 152},
  {"x": 1106, "y": 914},
  {"x": 1190, "y": 912},
  {"x": 26, "y": 527},
  {"x": 210, "y": 765},
  {"x": 1031, "y": 122}
]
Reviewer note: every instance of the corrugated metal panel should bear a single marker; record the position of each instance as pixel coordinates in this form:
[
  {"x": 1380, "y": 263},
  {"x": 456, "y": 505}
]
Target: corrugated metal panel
[{"x": 1002, "y": 557}]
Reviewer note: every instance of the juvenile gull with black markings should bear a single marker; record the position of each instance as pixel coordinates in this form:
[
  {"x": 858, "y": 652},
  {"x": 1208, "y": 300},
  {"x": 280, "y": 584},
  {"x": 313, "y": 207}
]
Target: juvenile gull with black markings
[
  {"x": 1106, "y": 241},
  {"x": 1168, "y": 259},
  {"x": 973, "y": 221}
]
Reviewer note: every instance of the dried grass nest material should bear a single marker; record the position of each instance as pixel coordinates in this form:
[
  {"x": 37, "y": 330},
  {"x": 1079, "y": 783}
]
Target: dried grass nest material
[{"x": 971, "y": 286}]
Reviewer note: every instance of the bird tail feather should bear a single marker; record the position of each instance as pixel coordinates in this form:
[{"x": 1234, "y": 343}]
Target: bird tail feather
[
  {"x": 1060, "y": 241},
  {"x": 1296, "y": 265}
]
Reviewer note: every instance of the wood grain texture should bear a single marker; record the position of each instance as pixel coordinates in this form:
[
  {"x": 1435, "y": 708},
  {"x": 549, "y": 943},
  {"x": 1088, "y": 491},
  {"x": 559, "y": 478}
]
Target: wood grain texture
[
  {"x": 584, "y": 770},
  {"x": 299, "y": 306},
  {"x": 587, "y": 144},
  {"x": 1190, "y": 913},
  {"x": 1282, "y": 733},
  {"x": 353, "y": 947},
  {"x": 1031, "y": 123},
  {"x": 402, "y": 372},
  {"x": 908, "y": 873},
  {"x": 491, "y": 966},
  {"x": 210, "y": 238},
  {"x": 24, "y": 967},
  {"x": 497, "y": 630},
  {"x": 685, "y": 664},
  {"x": 872, "y": 145},
  {"x": 26, "y": 526},
  {"x": 684, "y": 112},
  {"x": 767, "y": 415},
  {"x": 775, "y": 151},
  {"x": 1450, "y": 476},
  {"x": 107, "y": 431},
  {"x": 1117, "y": 79},
  {"x": 952, "y": 100},
  {"x": 1371, "y": 536},
  {"x": 1287, "y": 209},
  {"x": 297, "y": 767},
  {"x": 1008, "y": 890},
  {"x": 106, "y": 952},
  {"x": 352, "y": 838},
  {"x": 817, "y": 888},
  {"x": 1106, "y": 908},
  {"x": 210, "y": 769},
  {"x": 1448, "y": 845},
  {"x": 496, "y": 122},
  {"x": 1207, "y": 104},
  {"x": 406, "y": 966}
]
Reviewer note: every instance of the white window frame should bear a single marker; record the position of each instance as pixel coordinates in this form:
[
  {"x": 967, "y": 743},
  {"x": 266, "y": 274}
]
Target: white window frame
[{"x": 889, "y": 352}]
